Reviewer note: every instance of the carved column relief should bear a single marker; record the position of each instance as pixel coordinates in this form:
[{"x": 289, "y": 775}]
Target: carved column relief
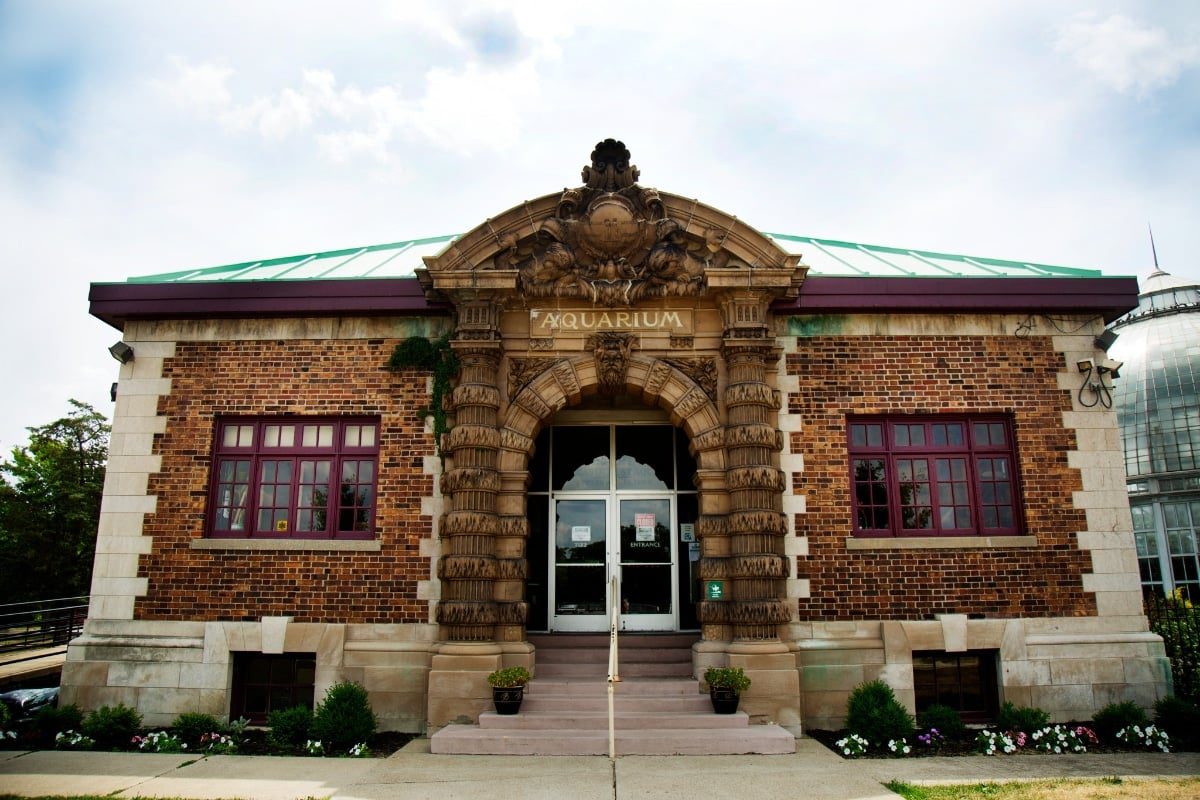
[
  {"x": 468, "y": 568},
  {"x": 757, "y": 568}
]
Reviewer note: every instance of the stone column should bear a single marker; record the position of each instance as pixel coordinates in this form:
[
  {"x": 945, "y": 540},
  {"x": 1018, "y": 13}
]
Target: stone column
[{"x": 467, "y": 569}]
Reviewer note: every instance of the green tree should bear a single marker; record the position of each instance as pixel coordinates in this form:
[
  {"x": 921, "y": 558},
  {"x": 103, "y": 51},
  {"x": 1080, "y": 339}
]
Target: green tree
[{"x": 50, "y": 507}]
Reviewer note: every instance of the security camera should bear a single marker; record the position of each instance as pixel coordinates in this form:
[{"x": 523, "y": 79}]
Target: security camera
[
  {"x": 1110, "y": 367},
  {"x": 1086, "y": 365}
]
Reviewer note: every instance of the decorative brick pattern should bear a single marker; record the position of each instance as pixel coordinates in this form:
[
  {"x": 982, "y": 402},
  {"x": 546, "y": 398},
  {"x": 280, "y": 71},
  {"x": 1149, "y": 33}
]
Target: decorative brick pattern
[
  {"x": 932, "y": 374},
  {"x": 287, "y": 377}
]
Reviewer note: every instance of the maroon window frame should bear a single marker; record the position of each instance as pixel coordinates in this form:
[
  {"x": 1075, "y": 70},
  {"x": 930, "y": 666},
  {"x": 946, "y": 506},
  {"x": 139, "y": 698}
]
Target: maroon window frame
[
  {"x": 294, "y": 478},
  {"x": 951, "y": 475}
]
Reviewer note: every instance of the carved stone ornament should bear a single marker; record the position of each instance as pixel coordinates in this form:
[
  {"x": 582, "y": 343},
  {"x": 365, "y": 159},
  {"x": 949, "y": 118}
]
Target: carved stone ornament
[
  {"x": 610, "y": 242},
  {"x": 612, "y": 351},
  {"x": 702, "y": 370},
  {"x": 523, "y": 370}
]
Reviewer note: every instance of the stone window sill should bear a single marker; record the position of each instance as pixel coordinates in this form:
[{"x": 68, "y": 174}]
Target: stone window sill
[
  {"x": 360, "y": 545},
  {"x": 939, "y": 542}
]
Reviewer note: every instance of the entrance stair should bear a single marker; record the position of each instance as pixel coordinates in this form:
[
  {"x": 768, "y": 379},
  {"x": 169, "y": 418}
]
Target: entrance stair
[{"x": 658, "y": 707}]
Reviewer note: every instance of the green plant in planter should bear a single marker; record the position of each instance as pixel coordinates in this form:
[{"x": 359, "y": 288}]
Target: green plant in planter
[
  {"x": 727, "y": 678},
  {"x": 439, "y": 358},
  {"x": 509, "y": 678}
]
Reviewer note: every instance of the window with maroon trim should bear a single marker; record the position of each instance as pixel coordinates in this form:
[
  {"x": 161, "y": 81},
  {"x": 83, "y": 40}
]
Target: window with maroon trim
[
  {"x": 933, "y": 476},
  {"x": 295, "y": 478}
]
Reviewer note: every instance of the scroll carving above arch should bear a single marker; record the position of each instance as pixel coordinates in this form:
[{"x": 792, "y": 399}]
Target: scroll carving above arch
[{"x": 611, "y": 242}]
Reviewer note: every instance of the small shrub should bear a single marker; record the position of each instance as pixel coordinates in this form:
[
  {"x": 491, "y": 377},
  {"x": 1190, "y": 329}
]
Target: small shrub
[
  {"x": 509, "y": 677},
  {"x": 1178, "y": 717},
  {"x": 991, "y": 743},
  {"x": 344, "y": 718},
  {"x": 944, "y": 719},
  {"x": 49, "y": 721},
  {"x": 853, "y": 746},
  {"x": 360, "y": 750},
  {"x": 1021, "y": 718},
  {"x": 112, "y": 726},
  {"x": 190, "y": 726},
  {"x": 218, "y": 744},
  {"x": 1062, "y": 739},
  {"x": 314, "y": 747},
  {"x": 159, "y": 742},
  {"x": 290, "y": 727},
  {"x": 873, "y": 713},
  {"x": 727, "y": 678},
  {"x": 1148, "y": 738},
  {"x": 1115, "y": 716}
]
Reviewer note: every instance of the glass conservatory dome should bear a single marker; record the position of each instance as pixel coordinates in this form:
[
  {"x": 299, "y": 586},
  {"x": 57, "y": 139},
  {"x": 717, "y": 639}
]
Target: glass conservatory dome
[{"x": 1157, "y": 399}]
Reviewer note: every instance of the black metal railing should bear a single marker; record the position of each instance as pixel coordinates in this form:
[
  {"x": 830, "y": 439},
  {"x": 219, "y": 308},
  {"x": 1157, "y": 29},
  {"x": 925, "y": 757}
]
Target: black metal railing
[
  {"x": 38, "y": 624},
  {"x": 1177, "y": 621}
]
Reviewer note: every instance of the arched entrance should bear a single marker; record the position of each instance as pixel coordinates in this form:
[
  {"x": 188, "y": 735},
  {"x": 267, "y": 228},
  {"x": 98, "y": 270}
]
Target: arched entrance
[{"x": 612, "y": 496}]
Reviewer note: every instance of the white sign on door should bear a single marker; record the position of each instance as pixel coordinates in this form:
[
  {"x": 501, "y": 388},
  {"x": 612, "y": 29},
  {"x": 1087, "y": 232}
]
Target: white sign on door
[{"x": 581, "y": 533}]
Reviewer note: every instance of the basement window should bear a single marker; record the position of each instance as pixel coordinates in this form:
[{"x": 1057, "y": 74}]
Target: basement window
[
  {"x": 264, "y": 683},
  {"x": 965, "y": 682}
]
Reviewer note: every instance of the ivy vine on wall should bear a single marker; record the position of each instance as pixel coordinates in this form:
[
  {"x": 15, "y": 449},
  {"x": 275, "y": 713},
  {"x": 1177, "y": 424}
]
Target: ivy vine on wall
[{"x": 438, "y": 357}]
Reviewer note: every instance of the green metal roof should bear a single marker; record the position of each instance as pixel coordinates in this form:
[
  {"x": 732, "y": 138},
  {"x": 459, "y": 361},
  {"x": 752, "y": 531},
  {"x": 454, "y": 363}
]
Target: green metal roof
[{"x": 823, "y": 256}]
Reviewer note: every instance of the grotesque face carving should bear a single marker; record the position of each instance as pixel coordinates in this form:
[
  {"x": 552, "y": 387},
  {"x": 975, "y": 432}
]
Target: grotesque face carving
[{"x": 612, "y": 351}]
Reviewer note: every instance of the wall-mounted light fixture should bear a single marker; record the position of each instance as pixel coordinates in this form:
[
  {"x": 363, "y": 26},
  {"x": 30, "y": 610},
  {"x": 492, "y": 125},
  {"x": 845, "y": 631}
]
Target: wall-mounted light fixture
[
  {"x": 1106, "y": 339},
  {"x": 112, "y": 392},
  {"x": 1097, "y": 380},
  {"x": 121, "y": 352}
]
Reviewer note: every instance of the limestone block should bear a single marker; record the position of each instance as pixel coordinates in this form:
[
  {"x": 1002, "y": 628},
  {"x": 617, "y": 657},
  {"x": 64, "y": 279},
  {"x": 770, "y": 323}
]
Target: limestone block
[
  {"x": 155, "y": 350},
  {"x": 133, "y": 406},
  {"x": 1092, "y": 670},
  {"x": 115, "y": 565},
  {"x": 331, "y": 648},
  {"x": 274, "y": 633},
  {"x": 143, "y": 386},
  {"x": 459, "y": 683},
  {"x": 398, "y": 704},
  {"x": 954, "y": 632},
  {"x": 84, "y": 673},
  {"x": 985, "y": 634},
  {"x": 1105, "y": 538},
  {"x": 1017, "y": 695},
  {"x": 124, "y": 544},
  {"x": 167, "y": 701},
  {"x": 123, "y": 524},
  {"x": 410, "y": 680},
  {"x": 215, "y": 702},
  {"x": 1111, "y": 520},
  {"x": 125, "y": 483},
  {"x": 1119, "y": 603},
  {"x": 461, "y": 710},
  {"x": 147, "y": 424},
  {"x": 92, "y": 697},
  {"x": 799, "y": 587},
  {"x": 1156, "y": 671},
  {"x": 110, "y": 607},
  {"x": 124, "y": 586},
  {"x": 825, "y": 678},
  {"x": 141, "y": 674},
  {"x": 809, "y": 658},
  {"x": 796, "y": 546},
  {"x": 1064, "y": 702},
  {"x": 917, "y": 636},
  {"x": 897, "y": 676},
  {"x": 329, "y": 675},
  {"x": 134, "y": 463},
  {"x": 1100, "y": 498},
  {"x": 1123, "y": 561},
  {"x": 1025, "y": 673},
  {"x": 216, "y": 645},
  {"x": 205, "y": 676},
  {"x": 896, "y": 641},
  {"x": 1111, "y": 582}
]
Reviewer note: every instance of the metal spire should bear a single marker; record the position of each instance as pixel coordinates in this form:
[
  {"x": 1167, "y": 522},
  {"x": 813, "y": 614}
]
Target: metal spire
[{"x": 1154, "y": 252}]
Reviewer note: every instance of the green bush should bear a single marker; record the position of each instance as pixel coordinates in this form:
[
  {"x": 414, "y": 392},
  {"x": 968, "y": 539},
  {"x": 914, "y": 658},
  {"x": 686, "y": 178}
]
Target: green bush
[
  {"x": 947, "y": 721},
  {"x": 727, "y": 678},
  {"x": 1021, "y": 718},
  {"x": 343, "y": 718},
  {"x": 112, "y": 726},
  {"x": 190, "y": 726},
  {"x": 290, "y": 727},
  {"x": 509, "y": 677},
  {"x": 873, "y": 713},
  {"x": 49, "y": 721},
  {"x": 1180, "y": 718},
  {"x": 1115, "y": 716}
]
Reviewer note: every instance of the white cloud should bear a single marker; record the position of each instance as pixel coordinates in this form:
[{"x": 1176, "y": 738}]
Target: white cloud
[
  {"x": 1126, "y": 55},
  {"x": 199, "y": 87}
]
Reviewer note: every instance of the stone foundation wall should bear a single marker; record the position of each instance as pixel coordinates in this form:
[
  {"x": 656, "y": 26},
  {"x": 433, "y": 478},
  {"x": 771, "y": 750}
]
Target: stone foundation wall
[{"x": 165, "y": 668}]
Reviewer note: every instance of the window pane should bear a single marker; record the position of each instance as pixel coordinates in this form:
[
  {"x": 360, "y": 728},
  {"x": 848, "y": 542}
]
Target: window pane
[
  {"x": 901, "y": 434},
  {"x": 939, "y": 435},
  {"x": 645, "y": 457},
  {"x": 917, "y": 435},
  {"x": 230, "y": 437},
  {"x": 981, "y": 433},
  {"x": 858, "y": 435},
  {"x": 352, "y": 435},
  {"x": 954, "y": 433},
  {"x": 875, "y": 436},
  {"x": 581, "y": 458},
  {"x": 367, "y": 438},
  {"x": 325, "y": 436}
]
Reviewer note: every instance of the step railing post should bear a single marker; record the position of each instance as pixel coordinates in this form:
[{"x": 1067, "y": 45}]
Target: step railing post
[{"x": 614, "y": 622}]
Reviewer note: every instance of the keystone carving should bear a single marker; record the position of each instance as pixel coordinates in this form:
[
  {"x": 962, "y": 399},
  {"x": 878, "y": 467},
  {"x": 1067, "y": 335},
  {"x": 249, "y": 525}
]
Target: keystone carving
[
  {"x": 691, "y": 402},
  {"x": 610, "y": 242},
  {"x": 702, "y": 370},
  {"x": 660, "y": 373},
  {"x": 513, "y": 440},
  {"x": 535, "y": 405},
  {"x": 564, "y": 373},
  {"x": 711, "y": 438},
  {"x": 523, "y": 370},
  {"x": 612, "y": 351}
]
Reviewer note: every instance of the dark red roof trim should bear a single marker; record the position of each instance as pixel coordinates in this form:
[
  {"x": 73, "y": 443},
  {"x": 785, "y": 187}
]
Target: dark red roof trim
[
  {"x": 115, "y": 303},
  {"x": 1108, "y": 297}
]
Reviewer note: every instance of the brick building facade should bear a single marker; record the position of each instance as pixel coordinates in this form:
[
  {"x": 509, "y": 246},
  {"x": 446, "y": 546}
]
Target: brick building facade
[{"x": 891, "y": 476}]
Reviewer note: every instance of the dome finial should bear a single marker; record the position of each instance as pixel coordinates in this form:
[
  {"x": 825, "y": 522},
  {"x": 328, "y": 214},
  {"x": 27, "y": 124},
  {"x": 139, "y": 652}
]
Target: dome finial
[{"x": 1157, "y": 269}]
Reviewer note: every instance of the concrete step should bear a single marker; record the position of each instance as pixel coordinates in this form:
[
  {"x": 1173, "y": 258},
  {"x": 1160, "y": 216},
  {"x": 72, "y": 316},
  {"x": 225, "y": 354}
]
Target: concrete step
[
  {"x": 692, "y": 704},
  {"x": 595, "y": 655},
  {"x": 598, "y": 687},
  {"x": 473, "y": 740},
  {"x": 623, "y": 720},
  {"x": 625, "y": 641},
  {"x": 649, "y": 669}
]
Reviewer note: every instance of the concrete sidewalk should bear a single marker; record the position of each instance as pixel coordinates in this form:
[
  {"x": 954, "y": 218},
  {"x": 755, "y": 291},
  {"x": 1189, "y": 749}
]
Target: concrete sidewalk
[{"x": 812, "y": 772}]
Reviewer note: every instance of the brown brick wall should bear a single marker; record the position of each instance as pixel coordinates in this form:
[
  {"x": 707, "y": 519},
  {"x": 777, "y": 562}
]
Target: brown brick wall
[
  {"x": 841, "y": 375},
  {"x": 295, "y": 377}
]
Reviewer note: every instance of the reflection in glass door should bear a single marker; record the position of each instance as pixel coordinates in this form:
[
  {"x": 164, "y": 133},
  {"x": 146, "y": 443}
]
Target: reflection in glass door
[
  {"x": 580, "y": 565},
  {"x": 647, "y": 558}
]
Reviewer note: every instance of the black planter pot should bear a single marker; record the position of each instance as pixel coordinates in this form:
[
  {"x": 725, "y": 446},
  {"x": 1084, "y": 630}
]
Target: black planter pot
[
  {"x": 508, "y": 699},
  {"x": 724, "y": 701}
]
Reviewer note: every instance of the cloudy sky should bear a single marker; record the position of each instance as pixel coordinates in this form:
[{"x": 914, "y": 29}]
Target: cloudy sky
[{"x": 143, "y": 137}]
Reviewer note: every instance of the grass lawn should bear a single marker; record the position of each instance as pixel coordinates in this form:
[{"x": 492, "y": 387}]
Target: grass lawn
[{"x": 1060, "y": 789}]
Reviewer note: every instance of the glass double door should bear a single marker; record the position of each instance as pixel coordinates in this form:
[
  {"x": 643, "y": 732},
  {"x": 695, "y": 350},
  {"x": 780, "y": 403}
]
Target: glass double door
[{"x": 626, "y": 536}]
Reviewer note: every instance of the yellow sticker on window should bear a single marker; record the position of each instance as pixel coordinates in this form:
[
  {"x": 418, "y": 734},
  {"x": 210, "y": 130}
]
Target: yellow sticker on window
[{"x": 281, "y": 525}]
